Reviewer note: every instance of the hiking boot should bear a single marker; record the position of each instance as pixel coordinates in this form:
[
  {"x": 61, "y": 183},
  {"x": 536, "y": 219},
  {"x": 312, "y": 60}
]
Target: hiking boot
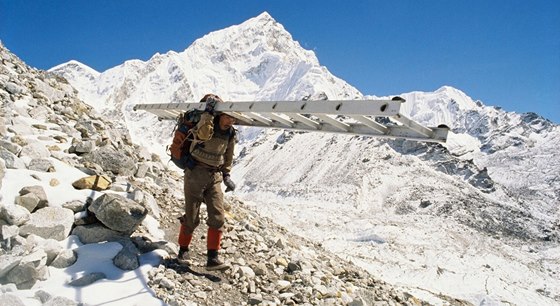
[
  {"x": 183, "y": 256},
  {"x": 214, "y": 263}
]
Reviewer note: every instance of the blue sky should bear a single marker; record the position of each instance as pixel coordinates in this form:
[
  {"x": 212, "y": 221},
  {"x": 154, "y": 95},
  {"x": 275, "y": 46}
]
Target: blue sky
[{"x": 503, "y": 52}]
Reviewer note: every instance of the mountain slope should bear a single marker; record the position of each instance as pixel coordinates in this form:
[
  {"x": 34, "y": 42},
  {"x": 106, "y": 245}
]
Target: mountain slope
[{"x": 488, "y": 197}]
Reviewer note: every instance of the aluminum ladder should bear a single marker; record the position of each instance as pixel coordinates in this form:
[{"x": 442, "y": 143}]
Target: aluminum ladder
[{"x": 354, "y": 117}]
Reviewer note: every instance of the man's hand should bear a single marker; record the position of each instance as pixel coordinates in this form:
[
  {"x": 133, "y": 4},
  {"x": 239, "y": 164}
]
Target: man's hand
[{"x": 229, "y": 183}]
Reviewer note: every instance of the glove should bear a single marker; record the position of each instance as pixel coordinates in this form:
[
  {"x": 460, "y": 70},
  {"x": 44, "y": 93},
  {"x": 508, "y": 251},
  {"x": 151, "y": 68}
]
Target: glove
[
  {"x": 229, "y": 183},
  {"x": 211, "y": 104}
]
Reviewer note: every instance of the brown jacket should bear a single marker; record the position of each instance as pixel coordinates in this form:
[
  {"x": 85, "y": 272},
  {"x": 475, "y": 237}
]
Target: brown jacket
[{"x": 214, "y": 147}]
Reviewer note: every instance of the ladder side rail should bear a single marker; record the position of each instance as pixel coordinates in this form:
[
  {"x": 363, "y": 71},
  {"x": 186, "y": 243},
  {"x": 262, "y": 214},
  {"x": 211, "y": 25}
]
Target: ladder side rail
[
  {"x": 396, "y": 132},
  {"x": 332, "y": 107}
]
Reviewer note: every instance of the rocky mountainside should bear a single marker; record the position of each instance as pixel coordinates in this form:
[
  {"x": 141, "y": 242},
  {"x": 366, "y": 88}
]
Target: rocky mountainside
[
  {"x": 68, "y": 174},
  {"x": 494, "y": 181}
]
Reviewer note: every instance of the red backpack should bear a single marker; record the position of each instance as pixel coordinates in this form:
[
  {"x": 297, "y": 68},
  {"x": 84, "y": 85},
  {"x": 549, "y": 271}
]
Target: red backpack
[{"x": 182, "y": 139}]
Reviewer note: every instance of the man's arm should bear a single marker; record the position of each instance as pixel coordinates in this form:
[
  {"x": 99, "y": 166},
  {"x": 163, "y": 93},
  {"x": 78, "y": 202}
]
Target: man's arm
[
  {"x": 205, "y": 127},
  {"x": 228, "y": 156}
]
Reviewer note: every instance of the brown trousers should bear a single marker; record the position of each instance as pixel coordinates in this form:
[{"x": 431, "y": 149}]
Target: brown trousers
[{"x": 203, "y": 185}]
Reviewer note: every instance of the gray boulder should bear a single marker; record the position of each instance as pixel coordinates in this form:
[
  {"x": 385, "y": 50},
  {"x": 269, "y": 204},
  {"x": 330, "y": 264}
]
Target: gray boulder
[
  {"x": 84, "y": 147},
  {"x": 30, "y": 269},
  {"x": 29, "y": 201},
  {"x": 14, "y": 148},
  {"x": 41, "y": 164},
  {"x": 14, "y": 88},
  {"x": 52, "y": 248},
  {"x": 142, "y": 170},
  {"x": 9, "y": 299},
  {"x": 21, "y": 129},
  {"x": 39, "y": 112},
  {"x": 7, "y": 263},
  {"x": 93, "y": 233},
  {"x": 11, "y": 160},
  {"x": 87, "y": 279},
  {"x": 118, "y": 213},
  {"x": 15, "y": 214},
  {"x": 111, "y": 160},
  {"x": 49, "y": 222},
  {"x": 127, "y": 258},
  {"x": 35, "y": 150},
  {"x": 86, "y": 128},
  {"x": 65, "y": 259},
  {"x": 75, "y": 205},
  {"x": 39, "y": 192}
]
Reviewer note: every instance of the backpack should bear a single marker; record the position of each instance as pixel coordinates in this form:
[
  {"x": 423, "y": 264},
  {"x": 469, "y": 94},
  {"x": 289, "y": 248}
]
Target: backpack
[{"x": 180, "y": 148}]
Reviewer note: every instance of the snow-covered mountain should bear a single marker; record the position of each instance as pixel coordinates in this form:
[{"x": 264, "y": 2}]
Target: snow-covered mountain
[{"x": 476, "y": 218}]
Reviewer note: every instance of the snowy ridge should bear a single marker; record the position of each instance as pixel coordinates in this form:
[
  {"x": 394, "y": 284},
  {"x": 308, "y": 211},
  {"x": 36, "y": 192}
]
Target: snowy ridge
[{"x": 487, "y": 198}]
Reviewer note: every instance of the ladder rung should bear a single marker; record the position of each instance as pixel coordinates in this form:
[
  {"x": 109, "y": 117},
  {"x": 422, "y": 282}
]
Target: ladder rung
[
  {"x": 305, "y": 120},
  {"x": 413, "y": 125},
  {"x": 338, "y": 124},
  {"x": 259, "y": 118},
  {"x": 242, "y": 118},
  {"x": 279, "y": 118},
  {"x": 371, "y": 123}
]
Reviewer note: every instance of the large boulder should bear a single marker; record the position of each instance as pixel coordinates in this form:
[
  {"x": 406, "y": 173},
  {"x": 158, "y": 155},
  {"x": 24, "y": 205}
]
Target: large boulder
[
  {"x": 111, "y": 160},
  {"x": 14, "y": 214},
  {"x": 11, "y": 160},
  {"x": 41, "y": 164},
  {"x": 14, "y": 148},
  {"x": 7, "y": 263},
  {"x": 127, "y": 258},
  {"x": 39, "y": 192},
  {"x": 49, "y": 222},
  {"x": 64, "y": 259},
  {"x": 35, "y": 150},
  {"x": 29, "y": 201},
  {"x": 93, "y": 233},
  {"x": 118, "y": 213},
  {"x": 30, "y": 269}
]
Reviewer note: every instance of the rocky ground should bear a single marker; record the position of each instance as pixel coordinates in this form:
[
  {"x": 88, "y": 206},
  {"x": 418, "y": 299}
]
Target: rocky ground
[{"x": 269, "y": 267}]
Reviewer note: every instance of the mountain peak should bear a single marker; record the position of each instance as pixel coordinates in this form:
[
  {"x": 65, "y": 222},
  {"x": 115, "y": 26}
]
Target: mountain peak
[
  {"x": 264, "y": 16},
  {"x": 75, "y": 66}
]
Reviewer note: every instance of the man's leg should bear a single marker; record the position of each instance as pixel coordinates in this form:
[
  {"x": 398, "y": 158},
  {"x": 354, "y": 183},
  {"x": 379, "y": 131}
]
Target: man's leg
[
  {"x": 193, "y": 187},
  {"x": 214, "y": 199}
]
